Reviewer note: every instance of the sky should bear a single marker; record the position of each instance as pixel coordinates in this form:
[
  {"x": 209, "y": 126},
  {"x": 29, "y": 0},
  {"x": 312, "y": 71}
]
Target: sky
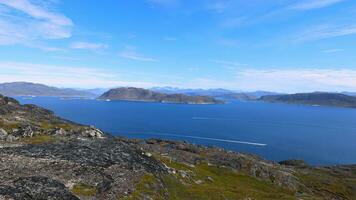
[{"x": 275, "y": 45}]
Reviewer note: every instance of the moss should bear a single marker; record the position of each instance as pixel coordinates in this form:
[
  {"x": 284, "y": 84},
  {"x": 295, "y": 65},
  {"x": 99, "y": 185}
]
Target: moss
[
  {"x": 45, "y": 125},
  {"x": 206, "y": 182},
  {"x": 9, "y": 126},
  {"x": 149, "y": 186},
  {"x": 221, "y": 183},
  {"x": 324, "y": 182},
  {"x": 40, "y": 139},
  {"x": 84, "y": 190}
]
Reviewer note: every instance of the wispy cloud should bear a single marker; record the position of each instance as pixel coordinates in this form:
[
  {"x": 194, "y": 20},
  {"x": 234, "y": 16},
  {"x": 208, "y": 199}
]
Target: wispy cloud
[
  {"x": 314, "y": 4},
  {"x": 233, "y": 22},
  {"x": 228, "y": 64},
  {"x": 333, "y": 50},
  {"x": 219, "y": 6},
  {"x": 88, "y": 45},
  {"x": 164, "y": 2},
  {"x": 228, "y": 42},
  {"x": 131, "y": 53},
  {"x": 281, "y": 80},
  {"x": 23, "y": 21},
  {"x": 64, "y": 76},
  {"x": 326, "y": 31},
  {"x": 297, "y": 80},
  {"x": 170, "y": 39}
]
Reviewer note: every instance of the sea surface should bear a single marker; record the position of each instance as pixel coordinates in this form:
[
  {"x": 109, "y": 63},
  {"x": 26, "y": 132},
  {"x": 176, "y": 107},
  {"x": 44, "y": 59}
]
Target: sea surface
[{"x": 318, "y": 135}]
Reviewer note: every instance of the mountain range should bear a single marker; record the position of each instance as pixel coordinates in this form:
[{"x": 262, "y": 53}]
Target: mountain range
[
  {"x": 35, "y": 89},
  {"x": 217, "y": 93}
]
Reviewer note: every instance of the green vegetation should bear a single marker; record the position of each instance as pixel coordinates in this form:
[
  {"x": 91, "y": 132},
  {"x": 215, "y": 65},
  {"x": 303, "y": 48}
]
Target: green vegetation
[
  {"x": 206, "y": 182},
  {"x": 149, "y": 186},
  {"x": 45, "y": 125},
  {"x": 84, "y": 190},
  {"x": 325, "y": 181},
  {"x": 40, "y": 139},
  {"x": 9, "y": 126}
]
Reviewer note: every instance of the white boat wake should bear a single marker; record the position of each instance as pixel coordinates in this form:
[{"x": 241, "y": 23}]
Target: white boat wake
[{"x": 208, "y": 138}]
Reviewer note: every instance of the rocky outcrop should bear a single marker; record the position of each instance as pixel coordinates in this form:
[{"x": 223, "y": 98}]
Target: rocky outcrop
[
  {"x": 23, "y": 121},
  {"x": 36, "y": 187}
]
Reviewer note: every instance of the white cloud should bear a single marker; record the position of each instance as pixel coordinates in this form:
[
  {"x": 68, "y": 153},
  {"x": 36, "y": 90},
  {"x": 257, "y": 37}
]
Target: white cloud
[
  {"x": 64, "y": 76},
  {"x": 23, "y": 21},
  {"x": 88, "y": 45},
  {"x": 130, "y": 53},
  {"x": 327, "y": 31},
  {"x": 279, "y": 80},
  {"x": 313, "y": 4}
]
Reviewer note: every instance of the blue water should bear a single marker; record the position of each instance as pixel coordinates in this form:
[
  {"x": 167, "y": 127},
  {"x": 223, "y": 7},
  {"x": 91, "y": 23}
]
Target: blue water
[{"x": 319, "y": 135}]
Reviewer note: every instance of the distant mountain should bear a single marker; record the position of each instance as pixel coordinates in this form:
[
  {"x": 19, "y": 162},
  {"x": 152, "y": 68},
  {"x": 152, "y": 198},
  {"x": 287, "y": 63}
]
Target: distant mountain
[
  {"x": 96, "y": 91},
  {"x": 217, "y": 93},
  {"x": 349, "y": 93},
  {"x": 316, "y": 98},
  {"x": 35, "y": 89},
  {"x": 261, "y": 93},
  {"x": 192, "y": 92},
  {"x": 139, "y": 94},
  {"x": 237, "y": 96}
]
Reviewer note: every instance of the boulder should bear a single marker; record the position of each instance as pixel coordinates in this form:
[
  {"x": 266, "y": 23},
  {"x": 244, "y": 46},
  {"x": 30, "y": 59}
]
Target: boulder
[
  {"x": 93, "y": 133},
  {"x": 60, "y": 131},
  {"x": 24, "y": 132},
  {"x": 3, "y": 134}
]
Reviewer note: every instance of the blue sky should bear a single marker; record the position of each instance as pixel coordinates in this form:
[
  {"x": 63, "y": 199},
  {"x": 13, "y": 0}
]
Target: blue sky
[{"x": 276, "y": 45}]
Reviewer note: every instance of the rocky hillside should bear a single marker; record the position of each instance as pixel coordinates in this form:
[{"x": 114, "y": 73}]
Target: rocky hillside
[
  {"x": 139, "y": 94},
  {"x": 45, "y": 157},
  {"x": 316, "y": 98},
  {"x": 34, "y": 89}
]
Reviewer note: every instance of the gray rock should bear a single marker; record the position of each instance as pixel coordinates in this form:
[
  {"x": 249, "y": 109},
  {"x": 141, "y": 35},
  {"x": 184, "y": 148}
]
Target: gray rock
[
  {"x": 3, "y": 134},
  {"x": 38, "y": 187},
  {"x": 93, "y": 133},
  {"x": 24, "y": 132},
  {"x": 60, "y": 131}
]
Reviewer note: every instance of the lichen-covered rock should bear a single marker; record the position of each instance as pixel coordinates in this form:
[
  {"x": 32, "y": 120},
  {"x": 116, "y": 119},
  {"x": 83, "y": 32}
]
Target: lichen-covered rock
[
  {"x": 3, "y": 134},
  {"x": 59, "y": 131},
  {"x": 92, "y": 132},
  {"x": 35, "y": 188},
  {"x": 24, "y": 132}
]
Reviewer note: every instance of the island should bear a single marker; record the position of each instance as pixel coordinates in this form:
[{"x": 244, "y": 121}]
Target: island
[
  {"x": 315, "y": 99},
  {"x": 140, "y": 94},
  {"x": 46, "y": 157}
]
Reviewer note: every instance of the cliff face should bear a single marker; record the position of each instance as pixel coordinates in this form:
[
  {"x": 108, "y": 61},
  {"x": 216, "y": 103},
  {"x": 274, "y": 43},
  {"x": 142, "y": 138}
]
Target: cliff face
[
  {"x": 139, "y": 94},
  {"x": 317, "y": 98},
  {"x": 45, "y": 157}
]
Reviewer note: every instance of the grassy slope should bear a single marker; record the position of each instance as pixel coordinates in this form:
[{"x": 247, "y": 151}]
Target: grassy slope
[{"x": 206, "y": 182}]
